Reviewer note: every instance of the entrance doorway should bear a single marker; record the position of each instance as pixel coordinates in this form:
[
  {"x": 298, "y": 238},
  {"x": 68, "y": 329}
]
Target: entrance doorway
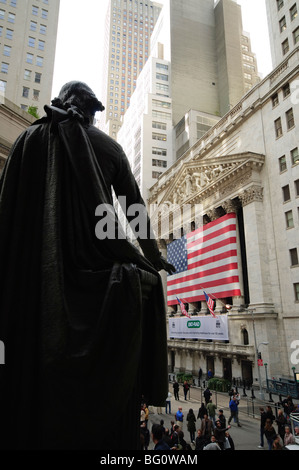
[
  {"x": 246, "y": 367},
  {"x": 227, "y": 368}
]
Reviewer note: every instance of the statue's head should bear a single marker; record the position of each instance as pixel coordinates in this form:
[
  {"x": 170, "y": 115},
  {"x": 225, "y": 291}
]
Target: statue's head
[{"x": 78, "y": 94}]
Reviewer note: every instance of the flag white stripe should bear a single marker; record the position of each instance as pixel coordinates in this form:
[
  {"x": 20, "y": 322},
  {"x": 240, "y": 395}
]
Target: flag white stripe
[
  {"x": 204, "y": 280},
  {"x": 211, "y": 290}
]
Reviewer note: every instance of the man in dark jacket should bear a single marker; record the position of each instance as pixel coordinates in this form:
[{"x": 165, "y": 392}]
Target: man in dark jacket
[
  {"x": 157, "y": 437},
  {"x": 76, "y": 303}
]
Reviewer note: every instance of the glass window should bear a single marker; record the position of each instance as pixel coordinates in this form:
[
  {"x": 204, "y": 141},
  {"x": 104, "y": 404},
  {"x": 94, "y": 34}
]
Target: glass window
[
  {"x": 296, "y": 288},
  {"x": 295, "y": 155},
  {"x": 294, "y": 257},
  {"x": 286, "y": 193},
  {"x": 25, "y": 93},
  {"x": 278, "y": 128},
  {"x": 282, "y": 163},
  {"x": 27, "y": 75},
  {"x": 275, "y": 101},
  {"x": 293, "y": 12},
  {"x": 296, "y": 35},
  {"x": 9, "y": 34},
  {"x": 282, "y": 24},
  {"x": 29, "y": 58},
  {"x": 296, "y": 183},
  {"x": 4, "y": 67},
  {"x": 285, "y": 47},
  {"x": 7, "y": 51},
  {"x": 289, "y": 219},
  {"x": 31, "y": 42},
  {"x": 290, "y": 118}
]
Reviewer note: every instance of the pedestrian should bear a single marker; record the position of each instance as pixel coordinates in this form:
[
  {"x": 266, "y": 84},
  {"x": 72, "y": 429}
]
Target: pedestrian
[
  {"x": 207, "y": 394},
  {"x": 281, "y": 422},
  {"x": 270, "y": 433},
  {"x": 176, "y": 390},
  {"x": 269, "y": 414},
  {"x": 159, "y": 410},
  {"x": 146, "y": 412},
  {"x": 186, "y": 388},
  {"x": 174, "y": 436},
  {"x": 222, "y": 418},
  {"x": 145, "y": 436},
  {"x": 229, "y": 443},
  {"x": 202, "y": 411},
  {"x": 213, "y": 445},
  {"x": 210, "y": 374},
  {"x": 168, "y": 403},
  {"x": 182, "y": 444},
  {"x": 288, "y": 437},
  {"x": 191, "y": 420},
  {"x": 179, "y": 416},
  {"x": 211, "y": 407},
  {"x": 199, "y": 441},
  {"x": 206, "y": 428},
  {"x": 199, "y": 375},
  {"x": 162, "y": 425},
  {"x": 277, "y": 443},
  {"x": 219, "y": 433},
  {"x": 167, "y": 437},
  {"x": 262, "y": 427},
  {"x": 233, "y": 406},
  {"x": 157, "y": 438}
]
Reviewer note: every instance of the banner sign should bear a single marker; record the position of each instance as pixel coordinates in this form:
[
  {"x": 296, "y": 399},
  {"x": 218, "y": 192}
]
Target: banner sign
[{"x": 205, "y": 327}]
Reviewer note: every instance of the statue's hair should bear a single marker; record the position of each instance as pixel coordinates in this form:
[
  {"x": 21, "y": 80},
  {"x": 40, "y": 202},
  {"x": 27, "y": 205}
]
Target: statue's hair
[{"x": 78, "y": 94}]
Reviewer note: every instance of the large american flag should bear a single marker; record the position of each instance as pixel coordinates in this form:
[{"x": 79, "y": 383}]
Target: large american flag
[{"x": 205, "y": 259}]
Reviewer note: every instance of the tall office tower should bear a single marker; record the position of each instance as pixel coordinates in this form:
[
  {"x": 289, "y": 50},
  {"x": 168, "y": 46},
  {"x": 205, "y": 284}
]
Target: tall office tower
[
  {"x": 28, "y": 31},
  {"x": 283, "y": 24},
  {"x": 129, "y": 24}
]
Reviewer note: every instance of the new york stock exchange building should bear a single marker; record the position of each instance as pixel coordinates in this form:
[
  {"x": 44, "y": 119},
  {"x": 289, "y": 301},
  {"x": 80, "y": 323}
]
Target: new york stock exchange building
[{"x": 239, "y": 244}]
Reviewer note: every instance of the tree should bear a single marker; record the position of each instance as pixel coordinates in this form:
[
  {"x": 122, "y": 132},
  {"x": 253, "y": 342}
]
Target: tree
[{"x": 33, "y": 111}]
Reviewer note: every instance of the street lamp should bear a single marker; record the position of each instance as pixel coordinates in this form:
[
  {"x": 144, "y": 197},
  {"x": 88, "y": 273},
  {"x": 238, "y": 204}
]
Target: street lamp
[{"x": 258, "y": 367}]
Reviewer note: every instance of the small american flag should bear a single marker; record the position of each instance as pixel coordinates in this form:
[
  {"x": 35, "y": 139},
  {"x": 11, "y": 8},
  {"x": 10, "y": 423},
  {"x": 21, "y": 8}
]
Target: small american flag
[
  {"x": 205, "y": 260},
  {"x": 210, "y": 304},
  {"x": 183, "y": 310}
]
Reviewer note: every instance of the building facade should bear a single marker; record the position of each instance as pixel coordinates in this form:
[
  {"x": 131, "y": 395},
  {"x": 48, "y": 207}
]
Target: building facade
[
  {"x": 251, "y": 157},
  {"x": 28, "y": 31},
  {"x": 129, "y": 25},
  {"x": 283, "y": 23}
]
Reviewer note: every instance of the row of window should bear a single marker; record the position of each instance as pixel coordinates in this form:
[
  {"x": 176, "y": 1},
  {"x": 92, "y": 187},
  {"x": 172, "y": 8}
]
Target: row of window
[
  {"x": 290, "y": 123},
  {"x": 286, "y": 45},
  {"x": 283, "y": 160},
  {"x": 286, "y": 193},
  {"x": 283, "y": 20},
  {"x": 26, "y": 92},
  {"x": 160, "y": 163},
  {"x": 11, "y": 3}
]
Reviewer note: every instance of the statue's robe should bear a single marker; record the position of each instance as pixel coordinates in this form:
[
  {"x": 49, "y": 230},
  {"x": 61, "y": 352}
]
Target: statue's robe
[{"x": 82, "y": 319}]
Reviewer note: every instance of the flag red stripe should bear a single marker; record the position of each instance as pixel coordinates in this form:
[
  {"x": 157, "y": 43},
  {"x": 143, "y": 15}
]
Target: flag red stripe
[
  {"x": 212, "y": 224},
  {"x": 220, "y": 244},
  {"x": 205, "y": 285},
  {"x": 208, "y": 272},
  {"x": 220, "y": 256},
  {"x": 210, "y": 236},
  {"x": 217, "y": 295}
]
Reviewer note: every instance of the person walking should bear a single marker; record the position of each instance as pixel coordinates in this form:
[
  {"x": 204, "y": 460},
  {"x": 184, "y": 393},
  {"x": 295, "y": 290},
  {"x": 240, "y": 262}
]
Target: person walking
[
  {"x": 202, "y": 411},
  {"x": 199, "y": 441},
  {"x": 219, "y": 433},
  {"x": 207, "y": 394},
  {"x": 211, "y": 407},
  {"x": 199, "y": 375},
  {"x": 176, "y": 390},
  {"x": 233, "y": 406},
  {"x": 270, "y": 433},
  {"x": 281, "y": 422},
  {"x": 288, "y": 437},
  {"x": 186, "y": 388},
  {"x": 262, "y": 427},
  {"x": 168, "y": 403},
  {"x": 179, "y": 416},
  {"x": 206, "y": 428},
  {"x": 213, "y": 445},
  {"x": 191, "y": 420}
]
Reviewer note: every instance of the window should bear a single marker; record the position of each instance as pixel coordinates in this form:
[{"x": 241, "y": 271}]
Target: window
[
  {"x": 290, "y": 119},
  {"x": 162, "y": 137},
  {"x": 296, "y": 288},
  {"x": 275, "y": 101},
  {"x": 33, "y": 26},
  {"x": 39, "y": 61},
  {"x": 162, "y": 76},
  {"x": 9, "y": 34},
  {"x": 161, "y": 115},
  {"x": 296, "y": 183},
  {"x": 294, "y": 257},
  {"x": 34, "y": 10},
  {"x": 36, "y": 95},
  {"x": 31, "y": 42},
  {"x": 159, "y": 125},
  {"x": 295, "y": 156},
  {"x": 25, "y": 93},
  {"x": 157, "y": 174},
  {"x": 27, "y": 75},
  {"x": 41, "y": 45},
  {"x": 296, "y": 35},
  {"x": 285, "y": 47},
  {"x": 161, "y": 104},
  {"x": 278, "y": 128},
  {"x": 1, "y": 29},
  {"x": 7, "y": 51},
  {"x": 45, "y": 14},
  {"x": 293, "y": 12},
  {"x": 29, "y": 58},
  {"x": 159, "y": 151},
  {"x": 279, "y": 4},
  {"x": 162, "y": 66},
  {"x": 2, "y": 87},
  {"x": 2, "y": 14},
  {"x": 289, "y": 219},
  {"x": 286, "y": 193},
  {"x": 43, "y": 29},
  {"x": 11, "y": 17},
  {"x": 4, "y": 67},
  {"x": 160, "y": 163},
  {"x": 286, "y": 90},
  {"x": 282, "y": 24}
]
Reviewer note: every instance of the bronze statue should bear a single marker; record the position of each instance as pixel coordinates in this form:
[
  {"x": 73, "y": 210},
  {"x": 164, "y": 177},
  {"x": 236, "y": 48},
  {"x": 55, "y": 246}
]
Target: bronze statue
[{"x": 82, "y": 317}]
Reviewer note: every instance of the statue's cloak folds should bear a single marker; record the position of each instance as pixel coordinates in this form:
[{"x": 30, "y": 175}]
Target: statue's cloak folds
[{"x": 82, "y": 339}]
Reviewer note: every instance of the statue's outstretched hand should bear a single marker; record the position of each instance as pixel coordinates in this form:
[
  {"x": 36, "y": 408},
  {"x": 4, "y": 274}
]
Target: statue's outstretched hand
[{"x": 162, "y": 263}]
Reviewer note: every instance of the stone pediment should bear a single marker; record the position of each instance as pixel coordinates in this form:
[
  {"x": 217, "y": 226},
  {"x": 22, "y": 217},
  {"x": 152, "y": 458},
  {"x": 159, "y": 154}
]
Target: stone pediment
[
  {"x": 196, "y": 180},
  {"x": 209, "y": 183}
]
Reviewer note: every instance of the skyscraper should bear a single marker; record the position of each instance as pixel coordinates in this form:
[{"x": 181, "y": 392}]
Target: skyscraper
[
  {"x": 28, "y": 31},
  {"x": 283, "y": 24},
  {"x": 129, "y": 24}
]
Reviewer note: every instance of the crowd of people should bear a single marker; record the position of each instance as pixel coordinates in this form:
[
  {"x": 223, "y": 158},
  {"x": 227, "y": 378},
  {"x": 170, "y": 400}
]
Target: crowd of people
[
  {"x": 276, "y": 431},
  {"x": 209, "y": 430}
]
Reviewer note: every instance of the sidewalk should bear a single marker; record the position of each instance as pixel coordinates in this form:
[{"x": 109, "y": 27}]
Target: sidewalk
[{"x": 245, "y": 438}]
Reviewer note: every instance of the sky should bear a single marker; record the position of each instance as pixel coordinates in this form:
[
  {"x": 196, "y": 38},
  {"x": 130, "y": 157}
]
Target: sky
[{"x": 81, "y": 37}]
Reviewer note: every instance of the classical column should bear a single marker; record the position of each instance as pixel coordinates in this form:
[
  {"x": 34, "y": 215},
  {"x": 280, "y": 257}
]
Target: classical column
[{"x": 256, "y": 245}]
